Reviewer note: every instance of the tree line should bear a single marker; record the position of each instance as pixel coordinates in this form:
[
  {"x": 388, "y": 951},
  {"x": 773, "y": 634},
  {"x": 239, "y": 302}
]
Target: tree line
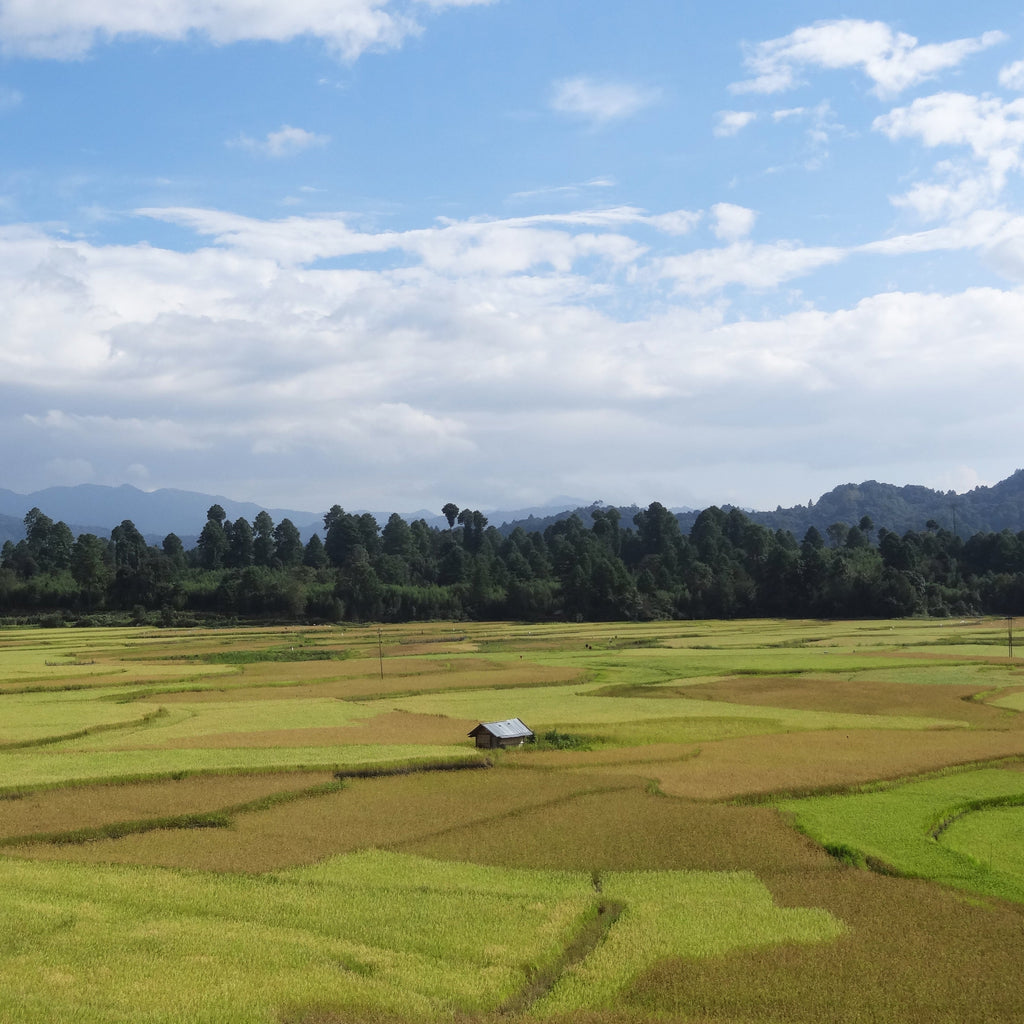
[{"x": 727, "y": 566}]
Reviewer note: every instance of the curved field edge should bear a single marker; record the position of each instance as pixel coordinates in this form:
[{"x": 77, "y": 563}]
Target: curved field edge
[
  {"x": 369, "y": 931},
  {"x": 990, "y": 836},
  {"x": 897, "y": 829},
  {"x": 22, "y": 771}
]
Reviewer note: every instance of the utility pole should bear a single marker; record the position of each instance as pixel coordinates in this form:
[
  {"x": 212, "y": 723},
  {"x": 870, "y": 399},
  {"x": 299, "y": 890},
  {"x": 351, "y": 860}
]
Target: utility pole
[
  {"x": 380, "y": 651},
  {"x": 1009, "y": 635}
]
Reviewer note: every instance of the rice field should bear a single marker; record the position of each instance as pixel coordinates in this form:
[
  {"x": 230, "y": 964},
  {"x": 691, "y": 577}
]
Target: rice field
[
  {"x": 755, "y": 822},
  {"x": 902, "y": 828}
]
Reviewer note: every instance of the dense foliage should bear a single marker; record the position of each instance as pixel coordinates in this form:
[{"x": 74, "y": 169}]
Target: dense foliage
[{"x": 728, "y": 566}]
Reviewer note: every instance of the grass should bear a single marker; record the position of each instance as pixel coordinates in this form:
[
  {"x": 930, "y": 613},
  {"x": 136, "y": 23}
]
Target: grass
[
  {"x": 693, "y": 915},
  {"x": 47, "y": 766},
  {"x": 369, "y": 929},
  {"x": 900, "y": 829},
  {"x": 418, "y": 806},
  {"x": 991, "y": 837},
  {"x": 226, "y": 949},
  {"x": 61, "y": 810},
  {"x": 198, "y": 773},
  {"x": 580, "y": 708}
]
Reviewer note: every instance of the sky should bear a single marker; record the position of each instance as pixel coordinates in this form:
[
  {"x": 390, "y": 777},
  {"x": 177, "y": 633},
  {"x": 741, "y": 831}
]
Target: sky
[{"x": 394, "y": 253}]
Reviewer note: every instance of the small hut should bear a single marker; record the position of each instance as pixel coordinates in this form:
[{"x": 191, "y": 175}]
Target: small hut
[{"x": 510, "y": 733}]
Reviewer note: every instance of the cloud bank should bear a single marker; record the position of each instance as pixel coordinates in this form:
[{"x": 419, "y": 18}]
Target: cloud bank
[
  {"x": 66, "y": 29},
  {"x": 260, "y": 347}
]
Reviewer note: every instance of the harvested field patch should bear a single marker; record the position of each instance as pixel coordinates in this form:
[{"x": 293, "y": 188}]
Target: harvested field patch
[
  {"x": 666, "y": 914},
  {"x": 981, "y": 677},
  {"x": 605, "y": 757},
  {"x": 861, "y": 695},
  {"x": 574, "y": 709},
  {"x": 401, "y": 726},
  {"x": 784, "y": 763},
  {"x": 382, "y": 812},
  {"x": 912, "y": 953},
  {"x": 88, "y": 807},
  {"x": 685, "y": 729},
  {"x": 630, "y": 829}
]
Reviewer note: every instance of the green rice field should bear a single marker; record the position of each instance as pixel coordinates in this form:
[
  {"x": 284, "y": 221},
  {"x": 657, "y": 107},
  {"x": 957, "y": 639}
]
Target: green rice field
[{"x": 720, "y": 822}]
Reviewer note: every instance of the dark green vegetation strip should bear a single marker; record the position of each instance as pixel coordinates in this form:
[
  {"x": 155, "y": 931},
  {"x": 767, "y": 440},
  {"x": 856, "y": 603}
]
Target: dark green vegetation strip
[
  {"x": 386, "y": 768},
  {"x": 953, "y": 814},
  {"x": 287, "y": 654}
]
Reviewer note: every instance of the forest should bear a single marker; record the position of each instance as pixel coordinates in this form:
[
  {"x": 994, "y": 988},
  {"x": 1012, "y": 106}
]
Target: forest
[{"x": 726, "y": 566}]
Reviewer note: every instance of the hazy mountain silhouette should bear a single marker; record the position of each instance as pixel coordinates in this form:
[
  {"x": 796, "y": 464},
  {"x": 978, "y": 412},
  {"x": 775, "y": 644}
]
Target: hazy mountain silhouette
[{"x": 92, "y": 508}]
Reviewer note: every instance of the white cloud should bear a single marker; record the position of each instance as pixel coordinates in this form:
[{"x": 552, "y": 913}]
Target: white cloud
[
  {"x": 732, "y": 122},
  {"x": 991, "y": 129},
  {"x": 996, "y": 235},
  {"x": 743, "y": 263},
  {"x": 893, "y": 61},
  {"x": 286, "y": 141},
  {"x": 564, "y": 190},
  {"x": 1012, "y": 76},
  {"x": 480, "y": 246},
  {"x": 821, "y": 125},
  {"x": 678, "y": 222},
  {"x": 600, "y": 101},
  {"x": 246, "y": 360},
  {"x": 66, "y": 29},
  {"x": 732, "y": 222},
  {"x": 987, "y": 125},
  {"x": 956, "y": 197}
]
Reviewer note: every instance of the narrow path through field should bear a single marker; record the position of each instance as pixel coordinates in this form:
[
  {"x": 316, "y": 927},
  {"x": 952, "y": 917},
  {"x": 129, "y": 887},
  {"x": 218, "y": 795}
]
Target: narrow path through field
[{"x": 593, "y": 933}]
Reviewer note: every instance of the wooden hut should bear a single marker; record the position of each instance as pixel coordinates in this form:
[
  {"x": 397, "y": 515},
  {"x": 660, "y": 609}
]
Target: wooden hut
[{"x": 510, "y": 733}]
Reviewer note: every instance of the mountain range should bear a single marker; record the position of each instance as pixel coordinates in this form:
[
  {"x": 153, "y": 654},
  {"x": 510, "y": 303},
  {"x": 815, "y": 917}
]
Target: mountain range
[{"x": 91, "y": 508}]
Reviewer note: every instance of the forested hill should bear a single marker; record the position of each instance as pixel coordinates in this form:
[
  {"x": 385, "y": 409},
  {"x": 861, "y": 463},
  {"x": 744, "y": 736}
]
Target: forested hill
[
  {"x": 982, "y": 510},
  {"x": 888, "y": 506},
  {"x": 598, "y": 567},
  {"x": 93, "y": 509}
]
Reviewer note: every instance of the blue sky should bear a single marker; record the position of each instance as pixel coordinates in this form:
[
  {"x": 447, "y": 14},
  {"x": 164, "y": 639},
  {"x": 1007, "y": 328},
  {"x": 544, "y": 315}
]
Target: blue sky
[{"x": 393, "y": 253}]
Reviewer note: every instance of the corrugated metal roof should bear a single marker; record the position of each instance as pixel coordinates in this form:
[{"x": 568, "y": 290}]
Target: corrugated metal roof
[{"x": 507, "y": 730}]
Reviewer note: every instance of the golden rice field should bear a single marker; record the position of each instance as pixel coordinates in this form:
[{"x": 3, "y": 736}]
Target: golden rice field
[{"x": 728, "y": 823}]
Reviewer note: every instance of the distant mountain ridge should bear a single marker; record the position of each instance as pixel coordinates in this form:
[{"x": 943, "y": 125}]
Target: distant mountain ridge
[
  {"x": 92, "y": 508},
  {"x": 899, "y": 509}
]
